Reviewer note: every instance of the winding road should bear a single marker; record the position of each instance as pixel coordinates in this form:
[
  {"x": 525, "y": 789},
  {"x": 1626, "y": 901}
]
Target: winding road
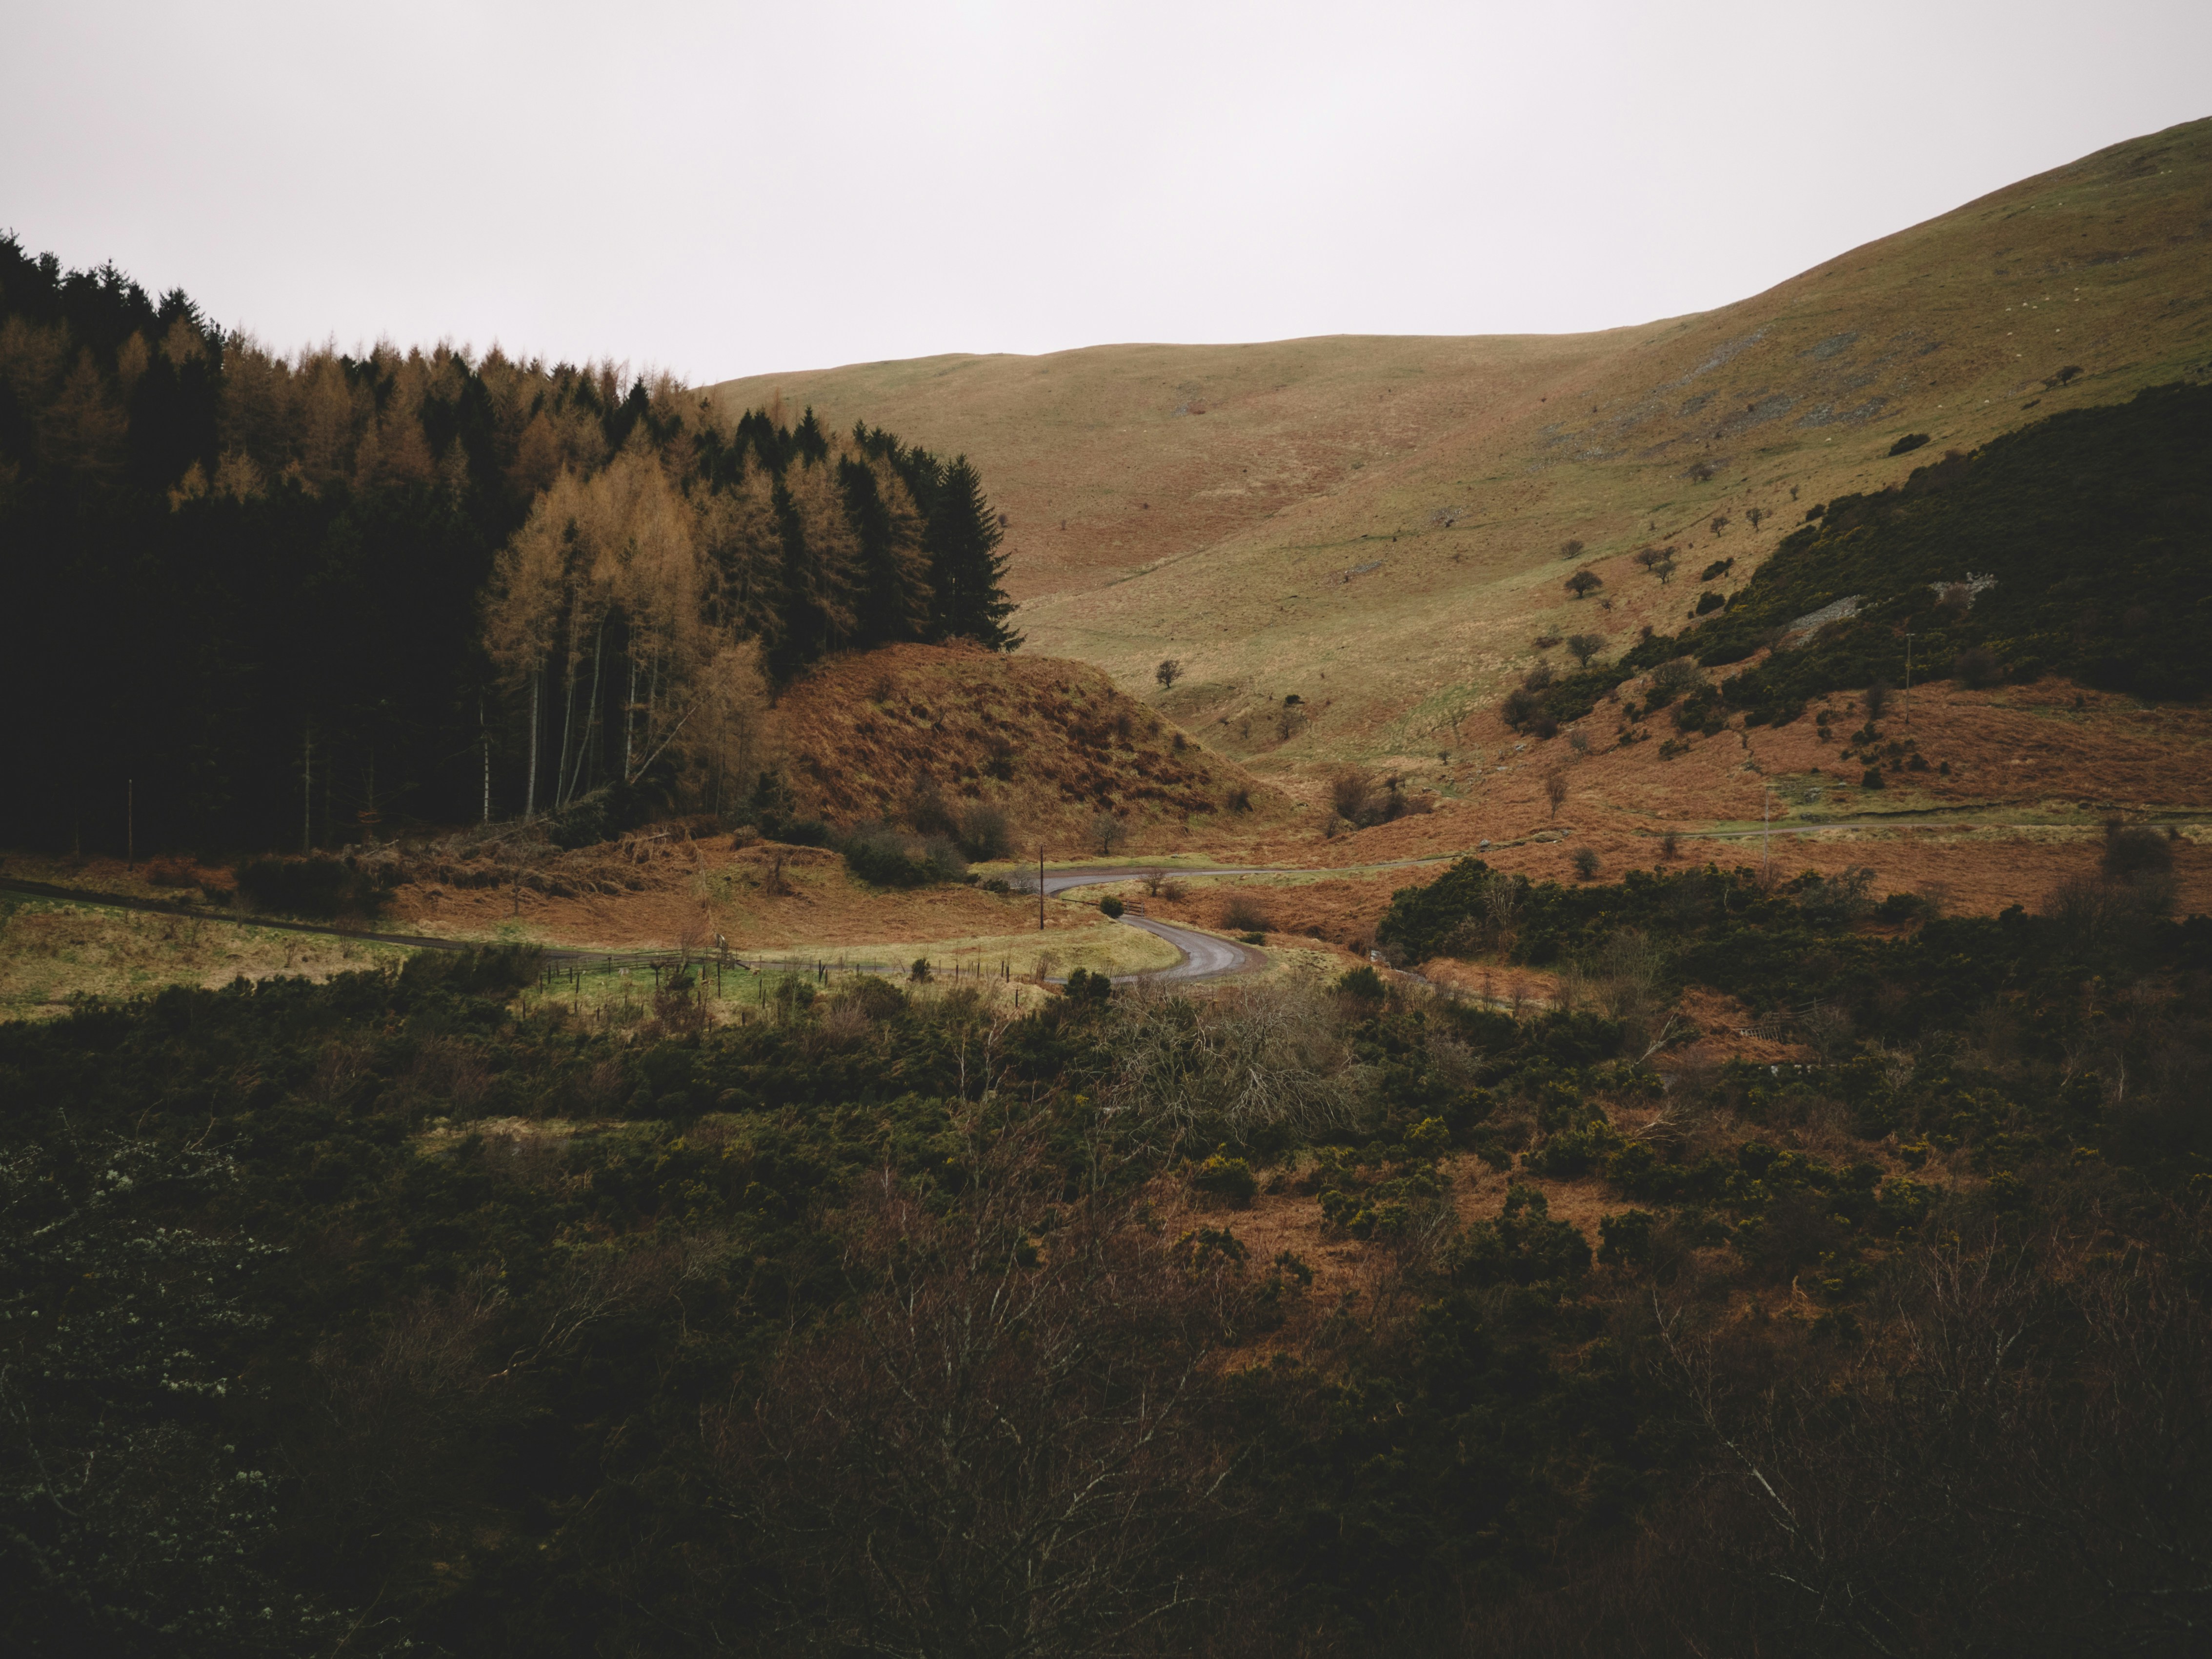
[{"x": 1204, "y": 955}]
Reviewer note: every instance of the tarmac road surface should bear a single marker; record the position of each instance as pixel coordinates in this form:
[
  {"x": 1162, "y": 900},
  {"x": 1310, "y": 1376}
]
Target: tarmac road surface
[{"x": 1204, "y": 956}]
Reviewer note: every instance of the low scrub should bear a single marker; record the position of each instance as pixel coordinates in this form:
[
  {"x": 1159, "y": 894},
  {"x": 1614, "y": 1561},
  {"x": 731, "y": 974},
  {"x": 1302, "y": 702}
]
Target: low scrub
[
  {"x": 314, "y": 889},
  {"x": 882, "y": 857},
  {"x": 2076, "y": 546}
]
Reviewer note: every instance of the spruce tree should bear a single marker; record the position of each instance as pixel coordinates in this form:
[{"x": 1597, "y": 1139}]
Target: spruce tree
[
  {"x": 967, "y": 572},
  {"x": 887, "y": 608}
]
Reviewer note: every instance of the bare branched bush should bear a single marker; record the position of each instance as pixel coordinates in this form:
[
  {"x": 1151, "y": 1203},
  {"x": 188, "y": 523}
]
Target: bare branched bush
[
  {"x": 1000, "y": 1448},
  {"x": 2043, "y": 1417},
  {"x": 1267, "y": 1056},
  {"x": 1244, "y": 912}
]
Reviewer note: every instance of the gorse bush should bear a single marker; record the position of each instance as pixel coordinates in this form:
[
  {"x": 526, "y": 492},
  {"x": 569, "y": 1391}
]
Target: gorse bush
[
  {"x": 2032, "y": 556},
  {"x": 859, "y": 1298},
  {"x": 884, "y": 858},
  {"x": 319, "y": 888}
]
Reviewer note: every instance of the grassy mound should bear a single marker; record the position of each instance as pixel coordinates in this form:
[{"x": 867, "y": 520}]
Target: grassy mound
[{"x": 930, "y": 736}]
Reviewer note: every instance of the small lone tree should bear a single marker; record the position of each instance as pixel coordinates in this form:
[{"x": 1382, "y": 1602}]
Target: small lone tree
[
  {"x": 1555, "y": 790},
  {"x": 1664, "y": 570},
  {"x": 1585, "y": 859},
  {"x": 1106, "y": 829},
  {"x": 1585, "y": 582},
  {"x": 1570, "y": 548},
  {"x": 1167, "y": 673},
  {"x": 1720, "y": 524},
  {"x": 1583, "y": 647},
  {"x": 1754, "y": 514}
]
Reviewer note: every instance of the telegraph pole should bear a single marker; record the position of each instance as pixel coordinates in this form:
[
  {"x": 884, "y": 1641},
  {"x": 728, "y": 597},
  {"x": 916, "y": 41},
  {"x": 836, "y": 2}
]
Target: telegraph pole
[
  {"x": 131, "y": 821},
  {"x": 307, "y": 790},
  {"x": 1040, "y": 887}
]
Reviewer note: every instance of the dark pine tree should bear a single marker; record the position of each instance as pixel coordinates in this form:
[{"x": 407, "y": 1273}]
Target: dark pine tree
[
  {"x": 888, "y": 608},
  {"x": 806, "y": 627},
  {"x": 967, "y": 572}
]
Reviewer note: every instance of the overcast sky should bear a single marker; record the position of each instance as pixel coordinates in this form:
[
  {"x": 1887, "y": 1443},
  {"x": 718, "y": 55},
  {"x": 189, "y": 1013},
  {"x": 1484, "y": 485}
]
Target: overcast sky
[{"x": 735, "y": 189}]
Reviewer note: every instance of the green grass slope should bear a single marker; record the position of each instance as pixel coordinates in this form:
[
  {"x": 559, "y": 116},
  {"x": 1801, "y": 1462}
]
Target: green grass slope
[{"x": 1375, "y": 525}]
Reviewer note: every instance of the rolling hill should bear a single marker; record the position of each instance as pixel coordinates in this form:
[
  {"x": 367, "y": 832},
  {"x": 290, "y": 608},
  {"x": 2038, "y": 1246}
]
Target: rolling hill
[{"x": 1376, "y": 525}]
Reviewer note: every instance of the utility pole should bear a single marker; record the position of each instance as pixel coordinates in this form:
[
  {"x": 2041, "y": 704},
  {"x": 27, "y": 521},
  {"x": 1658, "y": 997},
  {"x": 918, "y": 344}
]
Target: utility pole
[
  {"x": 484, "y": 732},
  {"x": 308, "y": 791},
  {"x": 131, "y": 821},
  {"x": 1766, "y": 840},
  {"x": 1040, "y": 887}
]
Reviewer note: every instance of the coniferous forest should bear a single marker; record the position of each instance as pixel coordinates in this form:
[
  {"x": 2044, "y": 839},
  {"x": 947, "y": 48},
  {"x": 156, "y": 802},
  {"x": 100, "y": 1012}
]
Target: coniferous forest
[{"x": 256, "y": 601}]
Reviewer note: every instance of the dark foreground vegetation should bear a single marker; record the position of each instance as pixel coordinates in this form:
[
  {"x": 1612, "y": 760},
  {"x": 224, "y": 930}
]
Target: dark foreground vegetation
[
  {"x": 2080, "y": 546},
  {"x": 398, "y": 1312}
]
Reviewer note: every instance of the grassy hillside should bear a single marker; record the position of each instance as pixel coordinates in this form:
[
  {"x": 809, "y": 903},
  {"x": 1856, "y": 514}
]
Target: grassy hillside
[{"x": 1376, "y": 525}]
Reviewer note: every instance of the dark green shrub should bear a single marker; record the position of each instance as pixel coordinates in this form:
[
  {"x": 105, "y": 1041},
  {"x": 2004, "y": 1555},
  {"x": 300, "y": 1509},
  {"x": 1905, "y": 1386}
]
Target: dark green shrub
[
  {"x": 1708, "y": 603},
  {"x": 1361, "y": 982},
  {"x": 1872, "y": 779},
  {"x": 1086, "y": 986},
  {"x": 1908, "y": 443},
  {"x": 319, "y": 888},
  {"x": 1625, "y": 1240},
  {"x": 1110, "y": 908},
  {"x": 1226, "y": 1177},
  {"x": 1524, "y": 1246},
  {"x": 2131, "y": 853},
  {"x": 883, "y": 858},
  {"x": 983, "y": 833}
]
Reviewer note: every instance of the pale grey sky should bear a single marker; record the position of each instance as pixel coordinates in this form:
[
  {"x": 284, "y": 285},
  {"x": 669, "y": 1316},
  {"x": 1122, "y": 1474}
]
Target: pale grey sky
[{"x": 733, "y": 189}]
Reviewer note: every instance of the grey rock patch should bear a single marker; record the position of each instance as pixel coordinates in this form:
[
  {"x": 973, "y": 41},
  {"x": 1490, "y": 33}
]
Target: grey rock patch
[
  {"x": 1829, "y": 415},
  {"x": 1839, "y": 610}
]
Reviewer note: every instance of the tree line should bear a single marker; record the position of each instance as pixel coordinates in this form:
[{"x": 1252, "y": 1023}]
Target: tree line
[{"x": 259, "y": 600}]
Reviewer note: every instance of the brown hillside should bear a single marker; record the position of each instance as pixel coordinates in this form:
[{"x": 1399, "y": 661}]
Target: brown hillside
[
  {"x": 1053, "y": 743},
  {"x": 1386, "y": 515}
]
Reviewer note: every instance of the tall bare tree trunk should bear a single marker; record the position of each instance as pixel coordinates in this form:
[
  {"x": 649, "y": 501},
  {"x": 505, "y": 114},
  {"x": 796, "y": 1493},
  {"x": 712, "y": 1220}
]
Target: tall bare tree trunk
[
  {"x": 530, "y": 794},
  {"x": 568, "y": 703},
  {"x": 590, "y": 712},
  {"x": 630, "y": 705}
]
